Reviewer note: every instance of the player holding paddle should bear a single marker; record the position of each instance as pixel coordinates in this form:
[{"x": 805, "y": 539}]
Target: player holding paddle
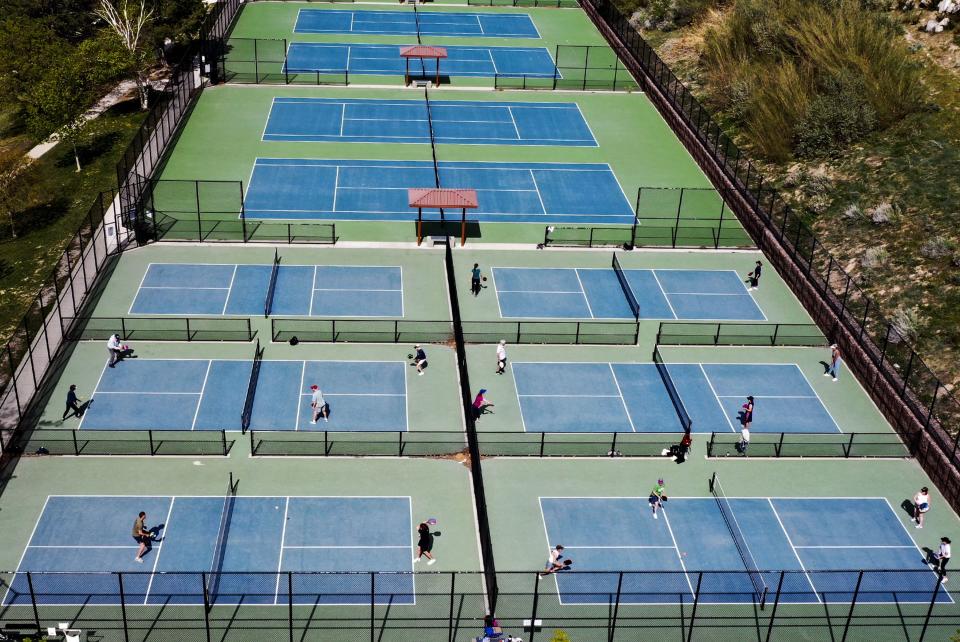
[
  {"x": 425, "y": 541},
  {"x": 657, "y": 497}
]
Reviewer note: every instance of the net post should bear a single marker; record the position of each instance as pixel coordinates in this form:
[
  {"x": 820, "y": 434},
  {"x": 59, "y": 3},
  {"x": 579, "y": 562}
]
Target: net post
[
  {"x": 76, "y": 446},
  {"x": 780, "y": 444},
  {"x": 543, "y": 438},
  {"x": 713, "y": 481},
  {"x": 223, "y": 442},
  {"x": 153, "y": 450},
  {"x": 853, "y": 604},
  {"x": 253, "y": 448},
  {"x": 196, "y": 190},
  {"x": 713, "y": 436}
]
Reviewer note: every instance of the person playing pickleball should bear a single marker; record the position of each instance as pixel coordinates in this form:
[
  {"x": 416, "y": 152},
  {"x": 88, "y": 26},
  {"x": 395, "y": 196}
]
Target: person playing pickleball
[
  {"x": 657, "y": 497},
  {"x": 425, "y": 542},
  {"x": 142, "y": 536}
]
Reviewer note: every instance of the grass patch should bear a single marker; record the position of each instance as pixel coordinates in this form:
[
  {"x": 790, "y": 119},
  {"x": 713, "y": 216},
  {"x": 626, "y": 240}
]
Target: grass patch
[
  {"x": 884, "y": 201},
  {"x": 58, "y": 199}
]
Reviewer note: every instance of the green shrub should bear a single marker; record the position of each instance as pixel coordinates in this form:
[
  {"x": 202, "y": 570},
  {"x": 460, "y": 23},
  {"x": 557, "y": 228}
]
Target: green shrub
[
  {"x": 839, "y": 114},
  {"x": 804, "y": 76}
]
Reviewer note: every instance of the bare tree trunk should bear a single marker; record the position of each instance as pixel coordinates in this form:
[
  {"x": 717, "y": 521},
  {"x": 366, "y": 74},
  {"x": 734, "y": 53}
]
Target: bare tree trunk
[
  {"x": 76, "y": 157},
  {"x": 143, "y": 89},
  {"x": 13, "y": 227}
]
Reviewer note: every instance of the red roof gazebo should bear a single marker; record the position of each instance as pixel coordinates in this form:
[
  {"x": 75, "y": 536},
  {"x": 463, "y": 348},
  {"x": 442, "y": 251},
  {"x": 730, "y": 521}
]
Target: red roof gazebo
[
  {"x": 439, "y": 198},
  {"x": 422, "y": 51}
]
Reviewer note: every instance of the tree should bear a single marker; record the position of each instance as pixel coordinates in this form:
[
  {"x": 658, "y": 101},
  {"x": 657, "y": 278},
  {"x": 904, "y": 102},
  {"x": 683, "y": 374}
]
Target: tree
[
  {"x": 56, "y": 105},
  {"x": 560, "y": 636},
  {"x": 128, "y": 20},
  {"x": 13, "y": 186}
]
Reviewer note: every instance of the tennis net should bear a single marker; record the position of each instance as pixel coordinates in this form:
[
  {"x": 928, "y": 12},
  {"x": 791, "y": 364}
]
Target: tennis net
[
  {"x": 745, "y": 553},
  {"x": 433, "y": 139},
  {"x": 272, "y": 286},
  {"x": 213, "y": 578},
  {"x": 627, "y": 290},
  {"x": 682, "y": 413},
  {"x": 251, "y": 388},
  {"x": 416, "y": 18}
]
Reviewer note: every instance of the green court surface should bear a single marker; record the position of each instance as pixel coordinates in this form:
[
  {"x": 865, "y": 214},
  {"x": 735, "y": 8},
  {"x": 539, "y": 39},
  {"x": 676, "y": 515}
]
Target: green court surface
[
  {"x": 513, "y": 489},
  {"x": 429, "y": 403},
  {"x": 845, "y": 401},
  {"x": 438, "y": 489},
  {"x": 773, "y": 297},
  {"x": 420, "y": 275},
  {"x": 222, "y": 140}
]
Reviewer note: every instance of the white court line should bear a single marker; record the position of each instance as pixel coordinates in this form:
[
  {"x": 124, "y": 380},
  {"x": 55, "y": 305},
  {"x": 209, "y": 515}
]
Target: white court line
[
  {"x": 536, "y": 186},
  {"x": 767, "y": 396},
  {"x": 181, "y": 287},
  {"x": 283, "y": 538},
  {"x": 303, "y": 372},
  {"x": 203, "y": 387},
  {"x": 93, "y": 393},
  {"x": 146, "y": 393},
  {"x": 794, "y": 548},
  {"x": 336, "y": 179},
  {"x": 576, "y": 396},
  {"x": 622, "y": 400},
  {"x": 857, "y": 546},
  {"x": 156, "y": 557},
  {"x": 313, "y": 291},
  {"x": 583, "y": 293},
  {"x": 717, "y": 399},
  {"x": 666, "y": 297},
  {"x": 345, "y": 546},
  {"x": 677, "y": 549}
]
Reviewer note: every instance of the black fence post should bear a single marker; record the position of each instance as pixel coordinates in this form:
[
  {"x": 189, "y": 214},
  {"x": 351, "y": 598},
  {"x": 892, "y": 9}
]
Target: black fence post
[
  {"x": 543, "y": 437},
  {"x": 853, "y": 605},
  {"x": 290, "y": 602},
  {"x": 933, "y": 600},
  {"x": 223, "y": 442},
  {"x": 696, "y": 600},
  {"x": 453, "y": 580},
  {"x": 373, "y": 606},
  {"x": 33, "y": 601},
  {"x": 76, "y": 446},
  {"x": 123, "y": 607},
  {"x": 779, "y": 448},
  {"x": 612, "y": 630},
  {"x": 776, "y": 603},
  {"x": 206, "y": 604},
  {"x": 533, "y": 608}
]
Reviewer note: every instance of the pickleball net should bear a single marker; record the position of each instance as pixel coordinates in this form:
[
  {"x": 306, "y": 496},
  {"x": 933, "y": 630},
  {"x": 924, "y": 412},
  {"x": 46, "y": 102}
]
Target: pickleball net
[
  {"x": 682, "y": 413},
  {"x": 247, "y": 413},
  {"x": 433, "y": 138},
  {"x": 743, "y": 548},
  {"x": 272, "y": 285},
  {"x": 627, "y": 290},
  {"x": 216, "y": 566}
]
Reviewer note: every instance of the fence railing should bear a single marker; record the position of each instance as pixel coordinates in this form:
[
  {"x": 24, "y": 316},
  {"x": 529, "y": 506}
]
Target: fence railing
[
  {"x": 453, "y": 444},
  {"x": 556, "y": 4},
  {"x": 828, "y": 445},
  {"x": 683, "y": 333},
  {"x": 122, "y": 442},
  {"x": 895, "y": 604},
  {"x": 39, "y": 337},
  {"x": 406, "y": 331},
  {"x": 689, "y": 233},
  {"x": 161, "y": 328},
  {"x": 908, "y": 392}
]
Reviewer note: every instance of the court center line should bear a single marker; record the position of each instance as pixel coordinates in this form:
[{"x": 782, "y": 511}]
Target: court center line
[
  {"x": 156, "y": 558},
  {"x": 145, "y": 392},
  {"x": 536, "y": 187},
  {"x": 794, "y": 549},
  {"x": 336, "y": 180},
  {"x": 283, "y": 537},
  {"x": 203, "y": 387},
  {"x": 229, "y": 290},
  {"x": 575, "y": 396},
  {"x": 313, "y": 290},
  {"x": 303, "y": 372},
  {"x": 616, "y": 547},
  {"x": 623, "y": 401},
  {"x": 583, "y": 293},
  {"x": 767, "y": 396},
  {"x": 717, "y": 399},
  {"x": 517, "y": 129},
  {"x": 666, "y": 297},
  {"x": 184, "y": 287},
  {"x": 305, "y": 546},
  {"x": 676, "y": 548},
  {"x": 862, "y": 546}
]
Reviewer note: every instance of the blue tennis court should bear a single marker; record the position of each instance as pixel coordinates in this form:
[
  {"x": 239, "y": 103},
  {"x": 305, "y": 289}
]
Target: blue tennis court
[
  {"x": 808, "y": 536},
  {"x": 380, "y": 60},
  {"x": 462, "y": 122},
  {"x": 568, "y": 293},
  {"x": 377, "y": 190},
  {"x": 301, "y": 290},
  {"x": 632, "y": 397},
  {"x": 204, "y": 394},
  {"x": 408, "y": 23},
  {"x": 265, "y": 535}
]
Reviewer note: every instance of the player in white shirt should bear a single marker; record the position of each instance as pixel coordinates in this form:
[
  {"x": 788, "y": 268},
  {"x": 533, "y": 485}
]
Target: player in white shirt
[
  {"x": 501, "y": 356},
  {"x": 941, "y": 557},
  {"x": 921, "y": 504}
]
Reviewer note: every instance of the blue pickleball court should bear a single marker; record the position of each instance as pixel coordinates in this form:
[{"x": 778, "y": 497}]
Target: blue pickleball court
[
  {"x": 632, "y": 397},
  {"x": 207, "y": 289},
  {"x": 385, "y": 60},
  {"x": 209, "y": 394},
  {"x": 463, "y": 122},
  {"x": 822, "y": 542},
  {"x": 408, "y": 23},
  {"x": 577, "y": 293},
  {"x": 264, "y": 535},
  {"x": 376, "y": 190}
]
